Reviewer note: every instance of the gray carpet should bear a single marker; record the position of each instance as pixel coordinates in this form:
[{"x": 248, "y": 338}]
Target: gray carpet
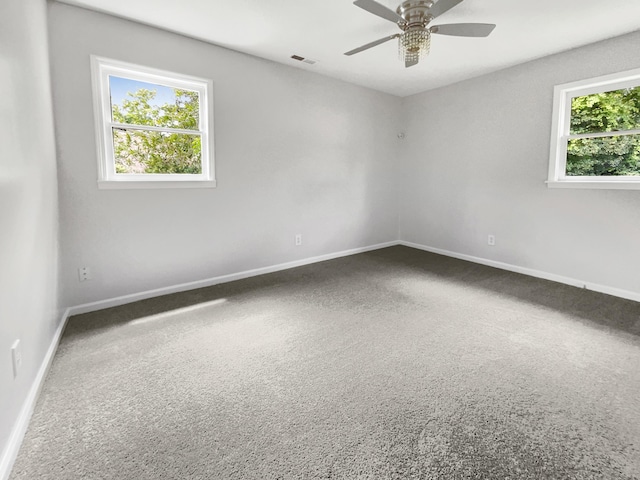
[{"x": 390, "y": 364}]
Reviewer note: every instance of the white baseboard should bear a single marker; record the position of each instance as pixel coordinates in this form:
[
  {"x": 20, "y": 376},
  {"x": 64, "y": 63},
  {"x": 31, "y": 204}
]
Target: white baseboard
[
  {"x": 134, "y": 297},
  {"x": 616, "y": 292},
  {"x": 22, "y": 422}
]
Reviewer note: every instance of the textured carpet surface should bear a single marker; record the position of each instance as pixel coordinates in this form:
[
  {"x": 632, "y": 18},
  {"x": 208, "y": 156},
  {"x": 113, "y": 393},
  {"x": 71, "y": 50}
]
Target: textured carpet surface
[{"x": 391, "y": 364}]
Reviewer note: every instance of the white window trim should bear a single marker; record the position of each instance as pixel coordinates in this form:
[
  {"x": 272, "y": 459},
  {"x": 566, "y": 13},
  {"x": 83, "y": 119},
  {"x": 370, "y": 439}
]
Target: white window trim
[
  {"x": 101, "y": 68},
  {"x": 562, "y": 96}
]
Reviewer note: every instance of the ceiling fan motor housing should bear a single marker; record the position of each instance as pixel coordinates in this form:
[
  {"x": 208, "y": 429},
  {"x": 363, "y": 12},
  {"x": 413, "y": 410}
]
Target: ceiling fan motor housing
[{"x": 415, "y": 13}]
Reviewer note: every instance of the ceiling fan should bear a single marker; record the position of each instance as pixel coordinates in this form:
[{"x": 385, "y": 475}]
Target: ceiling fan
[{"x": 413, "y": 17}]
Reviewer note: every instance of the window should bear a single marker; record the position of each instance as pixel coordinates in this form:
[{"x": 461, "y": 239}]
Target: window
[
  {"x": 595, "y": 139},
  {"x": 152, "y": 127}
]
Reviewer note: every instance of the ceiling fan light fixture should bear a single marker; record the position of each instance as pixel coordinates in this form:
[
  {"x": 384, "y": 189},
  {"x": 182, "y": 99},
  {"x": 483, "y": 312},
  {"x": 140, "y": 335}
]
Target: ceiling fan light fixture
[{"x": 414, "y": 44}]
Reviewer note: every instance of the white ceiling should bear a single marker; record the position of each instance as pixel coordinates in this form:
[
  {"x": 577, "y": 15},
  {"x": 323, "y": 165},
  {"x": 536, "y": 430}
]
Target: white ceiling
[{"x": 323, "y": 30}]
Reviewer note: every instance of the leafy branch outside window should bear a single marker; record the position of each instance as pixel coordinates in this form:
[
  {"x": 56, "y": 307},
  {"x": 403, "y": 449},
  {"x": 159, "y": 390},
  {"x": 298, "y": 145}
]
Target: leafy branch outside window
[
  {"x": 605, "y": 155},
  {"x": 166, "y": 148}
]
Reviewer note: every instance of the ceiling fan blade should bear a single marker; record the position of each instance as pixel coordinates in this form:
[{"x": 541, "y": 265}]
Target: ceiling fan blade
[
  {"x": 443, "y": 6},
  {"x": 410, "y": 63},
  {"x": 464, "y": 29},
  {"x": 379, "y": 10},
  {"x": 372, "y": 44}
]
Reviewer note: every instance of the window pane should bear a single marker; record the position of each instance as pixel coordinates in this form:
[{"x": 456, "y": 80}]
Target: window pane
[
  {"x": 141, "y": 103},
  {"x": 138, "y": 151},
  {"x": 606, "y": 112},
  {"x": 604, "y": 156}
]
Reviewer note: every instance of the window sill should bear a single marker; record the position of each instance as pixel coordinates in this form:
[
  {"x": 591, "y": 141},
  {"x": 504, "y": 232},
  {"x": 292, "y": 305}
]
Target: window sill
[
  {"x": 595, "y": 184},
  {"x": 149, "y": 184}
]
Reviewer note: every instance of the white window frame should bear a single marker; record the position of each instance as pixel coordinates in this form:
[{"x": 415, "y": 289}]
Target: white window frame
[
  {"x": 101, "y": 69},
  {"x": 560, "y": 136}
]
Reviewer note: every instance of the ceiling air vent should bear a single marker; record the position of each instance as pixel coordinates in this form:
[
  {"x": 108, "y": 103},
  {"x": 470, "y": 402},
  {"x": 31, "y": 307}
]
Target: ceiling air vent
[{"x": 302, "y": 59}]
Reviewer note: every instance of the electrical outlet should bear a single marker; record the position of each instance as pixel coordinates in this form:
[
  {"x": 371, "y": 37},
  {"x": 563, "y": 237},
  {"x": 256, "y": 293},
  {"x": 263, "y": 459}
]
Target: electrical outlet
[
  {"x": 299, "y": 239},
  {"x": 16, "y": 357},
  {"x": 84, "y": 274},
  {"x": 491, "y": 240}
]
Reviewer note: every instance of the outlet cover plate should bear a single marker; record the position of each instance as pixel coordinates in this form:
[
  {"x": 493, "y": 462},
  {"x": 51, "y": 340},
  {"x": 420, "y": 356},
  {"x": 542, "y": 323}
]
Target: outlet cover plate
[
  {"x": 16, "y": 357},
  {"x": 84, "y": 274}
]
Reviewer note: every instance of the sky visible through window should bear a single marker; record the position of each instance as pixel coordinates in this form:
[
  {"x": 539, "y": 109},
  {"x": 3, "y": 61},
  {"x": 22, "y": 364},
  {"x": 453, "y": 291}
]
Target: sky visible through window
[{"x": 120, "y": 88}]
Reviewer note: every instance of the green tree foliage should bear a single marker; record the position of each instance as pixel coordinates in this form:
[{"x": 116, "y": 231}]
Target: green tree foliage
[
  {"x": 605, "y": 112},
  {"x": 145, "y": 151}
]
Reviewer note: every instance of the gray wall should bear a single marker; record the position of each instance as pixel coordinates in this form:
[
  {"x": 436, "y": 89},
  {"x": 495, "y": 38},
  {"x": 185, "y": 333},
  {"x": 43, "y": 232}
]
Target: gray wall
[
  {"x": 295, "y": 153},
  {"x": 28, "y": 205},
  {"x": 475, "y": 161}
]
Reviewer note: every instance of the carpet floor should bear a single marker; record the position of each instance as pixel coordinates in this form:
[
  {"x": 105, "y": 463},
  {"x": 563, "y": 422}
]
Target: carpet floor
[{"x": 392, "y": 364}]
